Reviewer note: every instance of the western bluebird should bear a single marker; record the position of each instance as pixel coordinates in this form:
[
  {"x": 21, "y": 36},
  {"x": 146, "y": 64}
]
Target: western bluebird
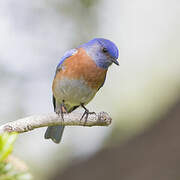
[{"x": 80, "y": 73}]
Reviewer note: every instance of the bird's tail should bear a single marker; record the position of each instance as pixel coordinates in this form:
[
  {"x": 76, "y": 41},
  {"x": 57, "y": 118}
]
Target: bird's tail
[{"x": 55, "y": 133}]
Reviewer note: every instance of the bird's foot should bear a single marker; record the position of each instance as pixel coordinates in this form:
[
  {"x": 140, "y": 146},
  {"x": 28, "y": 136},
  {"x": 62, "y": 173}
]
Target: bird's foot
[
  {"x": 86, "y": 114},
  {"x": 61, "y": 111}
]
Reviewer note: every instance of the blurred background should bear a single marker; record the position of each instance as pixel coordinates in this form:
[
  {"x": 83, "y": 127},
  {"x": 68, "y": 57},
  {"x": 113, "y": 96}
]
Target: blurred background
[{"x": 138, "y": 94}]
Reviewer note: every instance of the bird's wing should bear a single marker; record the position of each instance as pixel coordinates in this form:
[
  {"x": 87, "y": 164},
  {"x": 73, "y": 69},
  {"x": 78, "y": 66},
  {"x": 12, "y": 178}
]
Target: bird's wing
[
  {"x": 54, "y": 103},
  {"x": 66, "y": 55}
]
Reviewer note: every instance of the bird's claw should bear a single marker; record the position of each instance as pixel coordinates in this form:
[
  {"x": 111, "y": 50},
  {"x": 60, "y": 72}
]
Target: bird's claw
[
  {"x": 61, "y": 111},
  {"x": 86, "y": 114}
]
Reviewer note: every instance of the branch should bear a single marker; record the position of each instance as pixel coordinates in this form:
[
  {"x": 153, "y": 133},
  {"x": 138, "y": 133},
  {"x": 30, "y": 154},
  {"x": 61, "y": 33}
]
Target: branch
[{"x": 73, "y": 119}]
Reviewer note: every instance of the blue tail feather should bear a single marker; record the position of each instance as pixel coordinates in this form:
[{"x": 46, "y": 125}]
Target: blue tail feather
[{"x": 55, "y": 133}]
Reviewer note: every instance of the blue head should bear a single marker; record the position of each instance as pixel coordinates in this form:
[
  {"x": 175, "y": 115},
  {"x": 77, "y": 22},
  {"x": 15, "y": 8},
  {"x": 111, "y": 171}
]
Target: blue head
[{"x": 104, "y": 52}]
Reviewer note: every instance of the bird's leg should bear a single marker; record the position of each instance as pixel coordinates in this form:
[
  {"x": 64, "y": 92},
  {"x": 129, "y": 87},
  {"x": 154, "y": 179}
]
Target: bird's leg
[
  {"x": 86, "y": 113},
  {"x": 62, "y": 110}
]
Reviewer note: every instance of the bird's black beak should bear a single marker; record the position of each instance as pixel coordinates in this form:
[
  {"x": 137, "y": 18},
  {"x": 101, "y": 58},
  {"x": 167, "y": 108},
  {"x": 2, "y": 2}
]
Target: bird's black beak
[{"x": 115, "y": 61}]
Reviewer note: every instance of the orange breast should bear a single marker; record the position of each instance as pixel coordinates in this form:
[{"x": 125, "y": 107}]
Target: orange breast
[{"x": 80, "y": 65}]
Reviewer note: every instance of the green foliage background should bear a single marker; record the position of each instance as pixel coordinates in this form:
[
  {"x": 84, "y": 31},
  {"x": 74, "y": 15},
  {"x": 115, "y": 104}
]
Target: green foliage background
[{"x": 7, "y": 170}]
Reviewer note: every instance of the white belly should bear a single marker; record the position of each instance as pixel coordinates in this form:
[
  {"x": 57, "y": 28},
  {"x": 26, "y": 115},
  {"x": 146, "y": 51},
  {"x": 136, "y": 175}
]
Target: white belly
[{"x": 73, "y": 92}]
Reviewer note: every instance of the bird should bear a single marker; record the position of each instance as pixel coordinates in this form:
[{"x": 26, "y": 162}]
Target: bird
[{"x": 80, "y": 74}]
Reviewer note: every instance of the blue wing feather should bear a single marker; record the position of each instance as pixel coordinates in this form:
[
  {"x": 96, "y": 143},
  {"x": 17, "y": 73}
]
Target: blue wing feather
[{"x": 66, "y": 55}]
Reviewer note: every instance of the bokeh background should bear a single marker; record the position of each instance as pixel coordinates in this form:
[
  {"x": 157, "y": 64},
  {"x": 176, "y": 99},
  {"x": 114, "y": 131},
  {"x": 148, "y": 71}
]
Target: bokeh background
[{"x": 137, "y": 94}]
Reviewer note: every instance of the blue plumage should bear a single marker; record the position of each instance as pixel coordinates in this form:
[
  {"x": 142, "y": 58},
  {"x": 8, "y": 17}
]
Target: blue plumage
[
  {"x": 96, "y": 49},
  {"x": 66, "y": 55},
  {"x": 111, "y": 47}
]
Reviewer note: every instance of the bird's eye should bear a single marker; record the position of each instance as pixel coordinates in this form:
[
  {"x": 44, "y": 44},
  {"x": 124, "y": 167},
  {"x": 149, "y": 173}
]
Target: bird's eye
[{"x": 105, "y": 50}]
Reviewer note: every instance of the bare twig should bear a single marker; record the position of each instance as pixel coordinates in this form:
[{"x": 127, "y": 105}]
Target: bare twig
[{"x": 73, "y": 119}]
